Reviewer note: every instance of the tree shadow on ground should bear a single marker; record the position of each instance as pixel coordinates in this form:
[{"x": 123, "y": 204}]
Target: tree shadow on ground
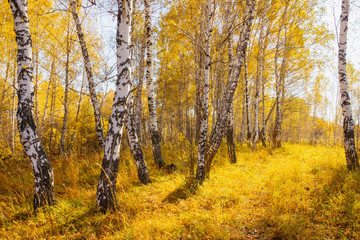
[{"x": 184, "y": 191}]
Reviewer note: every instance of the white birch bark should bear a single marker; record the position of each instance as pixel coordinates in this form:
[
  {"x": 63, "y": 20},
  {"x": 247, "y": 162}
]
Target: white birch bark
[
  {"x": 279, "y": 78},
  {"x": 243, "y": 117},
  {"x": 247, "y": 100},
  {"x": 106, "y": 195},
  {"x": 135, "y": 146},
  {"x": 137, "y": 104},
  {"x": 230, "y": 136},
  {"x": 208, "y": 7},
  {"x": 276, "y": 139},
  {"x": 97, "y": 111},
  {"x": 218, "y": 132},
  {"x": 13, "y": 112},
  {"x": 41, "y": 166},
  {"x": 259, "y": 78},
  {"x": 154, "y": 132},
  {"x": 348, "y": 122}
]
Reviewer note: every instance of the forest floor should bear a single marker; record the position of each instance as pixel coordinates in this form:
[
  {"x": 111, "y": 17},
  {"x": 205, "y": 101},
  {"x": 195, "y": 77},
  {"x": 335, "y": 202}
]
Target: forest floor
[{"x": 295, "y": 192}]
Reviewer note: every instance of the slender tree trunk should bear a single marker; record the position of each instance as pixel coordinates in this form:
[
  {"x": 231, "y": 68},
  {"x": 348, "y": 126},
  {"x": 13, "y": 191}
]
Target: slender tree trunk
[
  {"x": 279, "y": 78},
  {"x": 263, "y": 130},
  {"x": 106, "y": 194},
  {"x": 137, "y": 117},
  {"x": 198, "y": 96},
  {"x": 4, "y": 90},
  {"x": 259, "y": 78},
  {"x": 13, "y": 112},
  {"x": 348, "y": 124},
  {"x": 52, "y": 112},
  {"x": 135, "y": 146},
  {"x": 180, "y": 111},
  {"x": 36, "y": 101},
  {"x": 230, "y": 138},
  {"x": 65, "y": 118},
  {"x": 77, "y": 113},
  {"x": 243, "y": 115},
  {"x": 161, "y": 124},
  {"x": 155, "y": 136},
  {"x": 199, "y": 56},
  {"x": 200, "y": 174},
  {"x": 87, "y": 63},
  {"x": 263, "y": 81},
  {"x": 218, "y": 132},
  {"x": 276, "y": 133},
  {"x": 42, "y": 168},
  {"x": 247, "y": 102},
  {"x": 47, "y": 96}
]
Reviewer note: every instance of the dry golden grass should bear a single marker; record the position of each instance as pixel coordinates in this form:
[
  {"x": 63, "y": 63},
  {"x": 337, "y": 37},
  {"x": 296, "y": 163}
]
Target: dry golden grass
[{"x": 296, "y": 192}]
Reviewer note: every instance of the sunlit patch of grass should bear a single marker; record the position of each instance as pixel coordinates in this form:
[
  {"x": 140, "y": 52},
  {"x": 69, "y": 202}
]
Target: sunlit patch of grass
[{"x": 295, "y": 192}]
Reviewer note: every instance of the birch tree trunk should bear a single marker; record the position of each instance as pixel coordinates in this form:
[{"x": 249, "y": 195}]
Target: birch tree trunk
[
  {"x": 276, "y": 134},
  {"x": 48, "y": 93},
  {"x": 243, "y": 117},
  {"x": 97, "y": 111},
  {"x": 278, "y": 78},
  {"x": 106, "y": 194},
  {"x": 230, "y": 138},
  {"x": 263, "y": 129},
  {"x": 67, "y": 65},
  {"x": 198, "y": 84},
  {"x": 247, "y": 102},
  {"x": 13, "y": 113},
  {"x": 77, "y": 113},
  {"x": 208, "y": 5},
  {"x": 348, "y": 123},
  {"x": 52, "y": 112},
  {"x": 135, "y": 146},
  {"x": 154, "y": 132},
  {"x": 137, "y": 105},
  {"x": 218, "y": 132},
  {"x": 259, "y": 80},
  {"x": 41, "y": 166}
]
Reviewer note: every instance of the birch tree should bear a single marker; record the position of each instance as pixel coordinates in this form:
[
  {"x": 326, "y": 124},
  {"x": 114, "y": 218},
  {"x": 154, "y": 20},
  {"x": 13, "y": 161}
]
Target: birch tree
[
  {"x": 348, "y": 122},
  {"x": 66, "y": 92},
  {"x": 230, "y": 139},
  {"x": 259, "y": 79},
  {"x": 218, "y": 132},
  {"x": 135, "y": 146},
  {"x": 89, "y": 72},
  {"x": 208, "y": 5},
  {"x": 40, "y": 163},
  {"x": 155, "y": 136},
  {"x": 106, "y": 195},
  {"x": 137, "y": 104}
]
